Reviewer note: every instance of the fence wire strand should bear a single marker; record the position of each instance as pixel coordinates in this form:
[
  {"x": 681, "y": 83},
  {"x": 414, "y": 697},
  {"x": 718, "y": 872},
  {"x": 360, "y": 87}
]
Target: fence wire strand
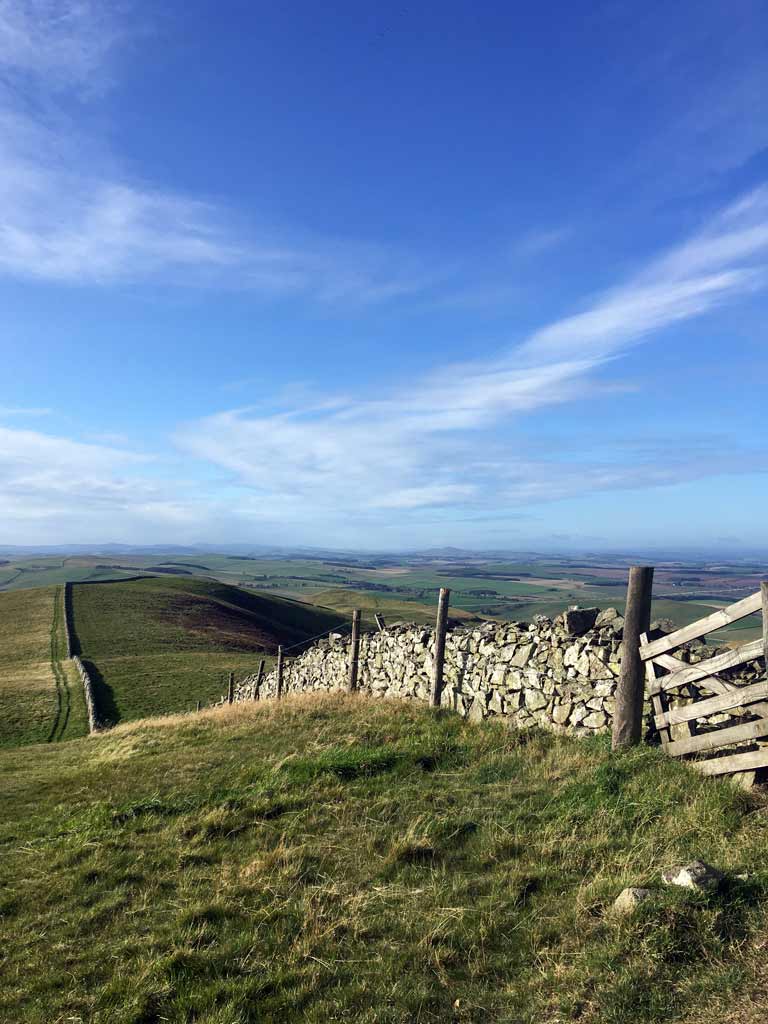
[{"x": 344, "y": 622}]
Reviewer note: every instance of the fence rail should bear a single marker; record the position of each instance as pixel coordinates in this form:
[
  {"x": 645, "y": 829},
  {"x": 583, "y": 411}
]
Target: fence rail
[{"x": 688, "y": 729}]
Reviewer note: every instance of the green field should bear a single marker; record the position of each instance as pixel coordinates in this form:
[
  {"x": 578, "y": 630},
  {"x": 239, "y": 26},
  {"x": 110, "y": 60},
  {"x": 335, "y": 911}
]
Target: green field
[
  {"x": 45, "y": 572},
  {"x": 404, "y": 587},
  {"x": 344, "y": 601},
  {"x": 41, "y": 696},
  {"x": 340, "y": 859},
  {"x": 159, "y": 645}
]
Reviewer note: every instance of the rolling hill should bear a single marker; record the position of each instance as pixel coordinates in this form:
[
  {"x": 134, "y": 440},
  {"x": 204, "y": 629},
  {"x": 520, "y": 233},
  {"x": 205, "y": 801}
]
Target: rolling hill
[
  {"x": 41, "y": 698},
  {"x": 160, "y": 644},
  {"x": 343, "y": 859}
]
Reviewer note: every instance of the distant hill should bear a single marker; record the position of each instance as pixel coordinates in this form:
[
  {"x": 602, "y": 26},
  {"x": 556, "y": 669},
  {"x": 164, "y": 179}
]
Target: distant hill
[{"x": 158, "y": 645}]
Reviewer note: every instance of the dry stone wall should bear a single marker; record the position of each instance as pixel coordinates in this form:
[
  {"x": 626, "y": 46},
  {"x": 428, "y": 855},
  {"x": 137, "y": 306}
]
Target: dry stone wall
[
  {"x": 559, "y": 674},
  {"x": 94, "y": 722}
]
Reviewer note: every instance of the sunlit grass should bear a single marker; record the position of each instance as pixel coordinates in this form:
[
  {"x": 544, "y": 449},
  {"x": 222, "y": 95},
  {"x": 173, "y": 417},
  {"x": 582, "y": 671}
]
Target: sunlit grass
[
  {"x": 342, "y": 859},
  {"x": 40, "y": 694}
]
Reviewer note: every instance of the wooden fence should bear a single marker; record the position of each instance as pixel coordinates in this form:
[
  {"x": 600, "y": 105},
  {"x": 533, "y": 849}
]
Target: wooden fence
[{"x": 688, "y": 729}]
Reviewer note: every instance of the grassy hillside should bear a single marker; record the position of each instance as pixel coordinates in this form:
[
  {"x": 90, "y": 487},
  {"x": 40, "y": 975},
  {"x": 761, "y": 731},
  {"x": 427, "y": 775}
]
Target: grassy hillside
[
  {"x": 338, "y": 859},
  {"x": 159, "y": 645},
  {"x": 41, "y": 696}
]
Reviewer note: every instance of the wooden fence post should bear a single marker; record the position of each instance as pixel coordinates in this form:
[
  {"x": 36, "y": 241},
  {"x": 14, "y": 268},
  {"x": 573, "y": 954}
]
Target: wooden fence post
[
  {"x": 279, "y": 692},
  {"x": 764, "y": 593},
  {"x": 628, "y": 716},
  {"x": 198, "y": 705},
  {"x": 231, "y": 688},
  {"x": 259, "y": 677},
  {"x": 439, "y": 657},
  {"x": 380, "y": 621},
  {"x": 354, "y": 652}
]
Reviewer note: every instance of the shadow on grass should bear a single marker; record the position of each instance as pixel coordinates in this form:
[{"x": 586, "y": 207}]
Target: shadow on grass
[{"x": 103, "y": 695}]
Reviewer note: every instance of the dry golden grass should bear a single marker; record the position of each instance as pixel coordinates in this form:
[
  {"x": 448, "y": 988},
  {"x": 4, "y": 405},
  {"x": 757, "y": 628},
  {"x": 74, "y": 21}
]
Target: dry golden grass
[{"x": 223, "y": 717}]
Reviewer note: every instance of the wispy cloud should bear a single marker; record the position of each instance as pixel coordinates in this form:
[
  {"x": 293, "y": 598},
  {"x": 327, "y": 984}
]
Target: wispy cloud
[
  {"x": 535, "y": 243},
  {"x": 53, "y": 486},
  {"x": 441, "y": 449},
  {"x": 724, "y": 260},
  {"x": 60, "y": 222},
  {"x": 435, "y": 442},
  {"x": 710, "y": 77},
  {"x": 430, "y": 452},
  {"x": 40, "y": 474},
  {"x": 67, "y": 214},
  {"x": 66, "y": 41}
]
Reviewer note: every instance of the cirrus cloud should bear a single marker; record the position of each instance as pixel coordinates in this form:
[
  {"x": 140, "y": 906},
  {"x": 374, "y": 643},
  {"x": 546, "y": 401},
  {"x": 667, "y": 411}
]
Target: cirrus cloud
[{"x": 435, "y": 442}]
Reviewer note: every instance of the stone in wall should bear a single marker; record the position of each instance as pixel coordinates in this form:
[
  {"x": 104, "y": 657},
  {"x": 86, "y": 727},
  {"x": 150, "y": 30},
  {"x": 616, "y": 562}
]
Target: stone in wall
[{"x": 559, "y": 674}]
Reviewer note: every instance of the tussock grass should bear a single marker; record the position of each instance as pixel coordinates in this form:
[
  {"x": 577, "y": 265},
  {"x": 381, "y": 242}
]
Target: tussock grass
[{"x": 342, "y": 859}]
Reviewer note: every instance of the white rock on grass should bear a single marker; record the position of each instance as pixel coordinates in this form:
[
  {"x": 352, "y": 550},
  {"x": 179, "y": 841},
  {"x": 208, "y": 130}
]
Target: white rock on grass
[
  {"x": 631, "y": 898},
  {"x": 696, "y": 875}
]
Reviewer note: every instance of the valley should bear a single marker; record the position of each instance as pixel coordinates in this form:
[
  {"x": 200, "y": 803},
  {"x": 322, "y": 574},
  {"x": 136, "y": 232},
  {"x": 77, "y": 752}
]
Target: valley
[{"x": 159, "y": 645}]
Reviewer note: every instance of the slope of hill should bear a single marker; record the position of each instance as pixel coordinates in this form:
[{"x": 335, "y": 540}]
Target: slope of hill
[
  {"x": 41, "y": 697},
  {"x": 159, "y": 644},
  {"x": 341, "y": 859}
]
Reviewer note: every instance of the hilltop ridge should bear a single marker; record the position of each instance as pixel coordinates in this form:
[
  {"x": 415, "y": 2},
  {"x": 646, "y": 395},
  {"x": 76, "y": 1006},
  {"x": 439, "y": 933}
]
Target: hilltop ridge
[{"x": 341, "y": 858}]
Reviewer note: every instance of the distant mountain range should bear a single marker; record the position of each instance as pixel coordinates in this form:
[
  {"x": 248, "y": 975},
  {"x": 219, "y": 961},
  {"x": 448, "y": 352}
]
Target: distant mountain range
[{"x": 653, "y": 557}]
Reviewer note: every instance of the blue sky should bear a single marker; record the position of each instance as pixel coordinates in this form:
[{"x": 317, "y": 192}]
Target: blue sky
[{"x": 383, "y": 276}]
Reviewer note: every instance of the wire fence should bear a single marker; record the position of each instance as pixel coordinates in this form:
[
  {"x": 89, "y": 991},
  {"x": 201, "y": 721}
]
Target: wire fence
[{"x": 326, "y": 632}]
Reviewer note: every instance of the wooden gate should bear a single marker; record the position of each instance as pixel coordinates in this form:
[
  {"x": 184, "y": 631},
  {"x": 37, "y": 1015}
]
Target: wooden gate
[{"x": 687, "y": 729}]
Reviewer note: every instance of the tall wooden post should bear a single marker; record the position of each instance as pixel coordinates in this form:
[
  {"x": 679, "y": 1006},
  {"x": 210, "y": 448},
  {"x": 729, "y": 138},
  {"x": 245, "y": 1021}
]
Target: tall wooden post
[
  {"x": 628, "y": 716},
  {"x": 279, "y": 693},
  {"x": 231, "y": 688},
  {"x": 441, "y": 627},
  {"x": 259, "y": 677},
  {"x": 198, "y": 705},
  {"x": 354, "y": 652},
  {"x": 764, "y": 592}
]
